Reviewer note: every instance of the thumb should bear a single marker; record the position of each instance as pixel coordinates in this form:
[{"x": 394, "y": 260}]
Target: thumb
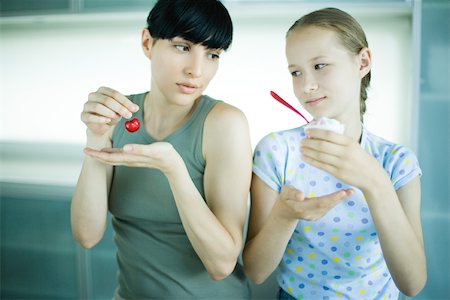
[{"x": 337, "y": 196}]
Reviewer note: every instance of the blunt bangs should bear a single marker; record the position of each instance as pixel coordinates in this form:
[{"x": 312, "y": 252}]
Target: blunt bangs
[{"x": 205, "y": 22}]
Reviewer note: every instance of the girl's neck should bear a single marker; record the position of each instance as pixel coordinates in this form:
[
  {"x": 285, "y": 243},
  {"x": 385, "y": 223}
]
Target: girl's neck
[
  {"x": 354, "y": 131},
  {"x": 353, "y": 128}
]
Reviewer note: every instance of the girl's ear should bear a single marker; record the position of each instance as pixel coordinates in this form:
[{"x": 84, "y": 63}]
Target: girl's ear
[
  {"x": 365, "y": 61},
  {"x": 147, "y": 42}
]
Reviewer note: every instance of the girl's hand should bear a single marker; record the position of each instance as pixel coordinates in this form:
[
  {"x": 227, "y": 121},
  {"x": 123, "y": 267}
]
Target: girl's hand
[
  {"x": 159, "y": 155},
  {"x": 340, "y": 156},
  {"x": 292, "y": 203},
  {"x": 104, "y": 108}
]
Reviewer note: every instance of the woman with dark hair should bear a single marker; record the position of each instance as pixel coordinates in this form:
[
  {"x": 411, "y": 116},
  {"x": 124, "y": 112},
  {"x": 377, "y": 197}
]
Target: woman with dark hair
[{"x": 176, "y": 179}]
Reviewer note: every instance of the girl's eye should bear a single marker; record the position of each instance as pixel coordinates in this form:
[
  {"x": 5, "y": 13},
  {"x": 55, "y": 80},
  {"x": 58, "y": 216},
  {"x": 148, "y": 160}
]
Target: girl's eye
[
  {"x": 320, "y": 66},
  {"x": 182, "y": 48},
  {"x": 296, "y": 73}
]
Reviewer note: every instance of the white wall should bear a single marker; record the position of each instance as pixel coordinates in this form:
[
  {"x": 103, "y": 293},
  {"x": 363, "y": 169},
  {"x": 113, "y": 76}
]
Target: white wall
[{"x": 48, "y": 65}]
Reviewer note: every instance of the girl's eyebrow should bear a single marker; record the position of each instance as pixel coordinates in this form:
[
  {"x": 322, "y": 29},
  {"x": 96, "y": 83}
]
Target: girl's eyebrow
[{"x": 312, "y": 59}]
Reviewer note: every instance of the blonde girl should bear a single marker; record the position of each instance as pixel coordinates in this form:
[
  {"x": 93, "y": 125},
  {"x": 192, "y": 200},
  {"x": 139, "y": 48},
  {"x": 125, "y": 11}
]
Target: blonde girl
[{"x": 337, "y": 214}]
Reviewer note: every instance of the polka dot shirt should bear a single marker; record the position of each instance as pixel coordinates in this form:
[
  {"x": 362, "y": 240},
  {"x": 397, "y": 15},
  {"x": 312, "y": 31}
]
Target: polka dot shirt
[{"x": 338, "y": 256}]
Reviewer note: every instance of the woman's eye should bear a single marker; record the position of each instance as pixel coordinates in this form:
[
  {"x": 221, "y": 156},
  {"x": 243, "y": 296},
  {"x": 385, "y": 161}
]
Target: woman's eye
[
  {"x": 320, "y": 66},
  {"x": 213, "y": 56},
  {"x": 182, "y": 48}
]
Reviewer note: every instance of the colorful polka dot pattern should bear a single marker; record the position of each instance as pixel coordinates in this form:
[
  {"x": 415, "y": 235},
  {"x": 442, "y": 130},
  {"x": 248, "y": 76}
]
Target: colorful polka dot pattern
[{"x": 338, "y": 256}]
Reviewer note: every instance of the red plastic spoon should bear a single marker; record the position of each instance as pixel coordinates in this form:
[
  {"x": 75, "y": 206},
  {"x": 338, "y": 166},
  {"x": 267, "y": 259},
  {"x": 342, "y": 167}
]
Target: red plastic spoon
[{"x": 282, "y": 101}]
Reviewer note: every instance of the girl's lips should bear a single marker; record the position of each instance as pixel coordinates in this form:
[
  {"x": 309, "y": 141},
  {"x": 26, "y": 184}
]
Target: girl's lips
[
  {"x": 187, "y": 88},
  {"x": 314, "y": 102}
]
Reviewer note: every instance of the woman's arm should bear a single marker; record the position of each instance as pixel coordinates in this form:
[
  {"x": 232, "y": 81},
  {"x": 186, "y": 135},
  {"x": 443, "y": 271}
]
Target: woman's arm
[
  {"x": 89, "y": 207},
  {"x": 214, "y": 227}
]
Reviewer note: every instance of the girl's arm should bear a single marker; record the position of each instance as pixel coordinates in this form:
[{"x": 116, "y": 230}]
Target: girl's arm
[
  {"x": 268, "y": 232},
  {"x": 273, "y": 219},
  {"x": 396, "y": 214}
]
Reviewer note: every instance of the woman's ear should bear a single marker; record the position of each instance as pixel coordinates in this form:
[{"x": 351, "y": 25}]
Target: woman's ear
[
  {"x": 365, "y": 61},
  {"x": 147, "y": 42}
]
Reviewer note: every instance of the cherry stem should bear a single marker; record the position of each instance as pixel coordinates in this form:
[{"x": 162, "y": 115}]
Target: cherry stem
[{"x": 282, "y": 101}]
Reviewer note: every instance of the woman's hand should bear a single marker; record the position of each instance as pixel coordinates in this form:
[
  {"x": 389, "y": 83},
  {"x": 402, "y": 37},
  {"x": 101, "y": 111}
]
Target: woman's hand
[
  {"x": 103, "y": 109},
  {"x": 292, "y": 204},
  {"x": 159, "y": 155},
  {"x": 340, "y": 156}
]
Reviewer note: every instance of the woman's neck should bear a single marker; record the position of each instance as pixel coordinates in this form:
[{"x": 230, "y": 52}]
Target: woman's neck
[{"x": 161, "y": 118}]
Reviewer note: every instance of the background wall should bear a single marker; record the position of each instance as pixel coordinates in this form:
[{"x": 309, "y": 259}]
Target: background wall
[
  {"x": 49, "y": 63},
  {"x": 434, "y": 144}
]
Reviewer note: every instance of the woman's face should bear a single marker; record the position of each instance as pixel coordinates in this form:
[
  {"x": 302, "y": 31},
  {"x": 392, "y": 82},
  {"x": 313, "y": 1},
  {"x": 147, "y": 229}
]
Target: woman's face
[
  {"x": 326, "y": 76},
  {"x": 181, "y": 70}
]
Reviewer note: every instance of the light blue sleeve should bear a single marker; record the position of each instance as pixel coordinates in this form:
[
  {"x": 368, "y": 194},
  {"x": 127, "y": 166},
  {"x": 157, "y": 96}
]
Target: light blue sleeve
[
  {"x": 269, "y": 160},
  {"x": 404, "y": 166}
]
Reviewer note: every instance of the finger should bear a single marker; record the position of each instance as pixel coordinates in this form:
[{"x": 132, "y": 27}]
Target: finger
[
  {"x": 105, "y": 105},
  {"x": 319, "y": 156},
  {"x": 322, "y": 145},
  {"x": 118, "y": 155},
  {"x": 136, "y": 149},
  {"x": 108, "y": 157},
  {"x": 330, "y": 168},
  {"x": 112, "y": 150},
  {"x": 119, "y": 97},
  {"x": 88, "y": 118},
  {"x": 290, "y": 193},
  {"x": 101, "y": 108},
  {"x": 327, "y": 135},
  {"x": 334, "y": 198}
]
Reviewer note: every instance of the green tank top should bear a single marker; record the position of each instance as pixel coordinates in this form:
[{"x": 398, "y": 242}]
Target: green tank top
[{"x": 155, "y": 257}]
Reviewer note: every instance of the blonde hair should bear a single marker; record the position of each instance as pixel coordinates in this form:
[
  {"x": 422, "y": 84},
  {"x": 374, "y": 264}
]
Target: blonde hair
[{"x": 349, "y": 32}]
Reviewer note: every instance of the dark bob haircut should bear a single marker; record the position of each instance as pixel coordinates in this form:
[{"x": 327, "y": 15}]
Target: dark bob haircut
[{"x": 205, "y": 22}]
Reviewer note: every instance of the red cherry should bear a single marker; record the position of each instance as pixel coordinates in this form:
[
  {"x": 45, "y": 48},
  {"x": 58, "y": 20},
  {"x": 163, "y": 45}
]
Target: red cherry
[{"x": 132, "y": 125}]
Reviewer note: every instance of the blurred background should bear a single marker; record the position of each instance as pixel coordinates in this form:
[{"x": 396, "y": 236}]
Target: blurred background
[{"x": 54, "y": 52}]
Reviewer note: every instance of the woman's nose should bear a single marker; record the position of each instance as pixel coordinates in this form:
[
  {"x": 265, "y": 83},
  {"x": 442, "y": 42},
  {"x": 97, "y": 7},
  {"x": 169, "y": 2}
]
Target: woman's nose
[{"x": 194, "y": 67}]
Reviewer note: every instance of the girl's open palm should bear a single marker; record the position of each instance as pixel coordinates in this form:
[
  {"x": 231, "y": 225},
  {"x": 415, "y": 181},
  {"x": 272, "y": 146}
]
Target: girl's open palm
[{"x": 294, "y": 205}]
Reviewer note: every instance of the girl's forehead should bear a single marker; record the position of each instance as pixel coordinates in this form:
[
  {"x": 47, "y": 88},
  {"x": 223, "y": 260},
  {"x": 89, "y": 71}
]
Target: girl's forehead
[
  {"x": 313, "y": 34},
  {"x": 313, "y": 41}
]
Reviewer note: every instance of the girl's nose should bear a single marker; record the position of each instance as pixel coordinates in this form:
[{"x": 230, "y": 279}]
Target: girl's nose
[{"x": 310, "y": 84}]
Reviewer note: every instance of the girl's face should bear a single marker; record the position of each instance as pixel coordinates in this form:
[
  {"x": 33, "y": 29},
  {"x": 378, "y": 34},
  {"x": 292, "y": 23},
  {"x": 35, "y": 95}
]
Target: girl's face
[
  {"x": 181, "y": 70},
  {"x": 326, "y": 76}
]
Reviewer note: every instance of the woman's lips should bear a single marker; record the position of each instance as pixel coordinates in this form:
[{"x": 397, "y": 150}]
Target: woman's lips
[{"x": 187, "y": 88}]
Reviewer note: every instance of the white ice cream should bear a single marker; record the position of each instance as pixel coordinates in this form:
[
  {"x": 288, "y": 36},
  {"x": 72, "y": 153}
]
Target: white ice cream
[{"x": 326, "y": 124}]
